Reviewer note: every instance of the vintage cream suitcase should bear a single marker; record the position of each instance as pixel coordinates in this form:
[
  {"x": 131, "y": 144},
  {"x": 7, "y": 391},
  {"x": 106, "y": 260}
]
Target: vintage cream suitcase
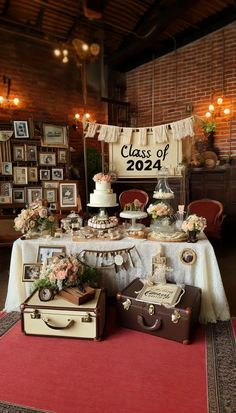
[{"x": 61, "y": 318}]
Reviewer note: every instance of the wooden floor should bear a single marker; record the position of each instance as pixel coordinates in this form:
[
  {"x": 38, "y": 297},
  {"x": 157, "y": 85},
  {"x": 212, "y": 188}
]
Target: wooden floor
[{"x": 225, "y": 253}]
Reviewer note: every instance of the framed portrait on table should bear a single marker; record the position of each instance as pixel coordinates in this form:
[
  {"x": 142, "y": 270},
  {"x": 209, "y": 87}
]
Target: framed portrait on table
[
  {"x": 20, "y": 175},
  {"x": 34, "y": 194},
  {"x": 31, "y": 272},
  {"x": 21, "y": 129},
  {"x": 45, "y": 252},
  {"x": 55, "y": 136},
  {"x": 188, "y": 256},
  {"x": 68, "y": 194}
]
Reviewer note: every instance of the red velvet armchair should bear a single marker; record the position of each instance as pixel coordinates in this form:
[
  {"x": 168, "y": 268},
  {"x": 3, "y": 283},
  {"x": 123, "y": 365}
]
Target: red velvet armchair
[{"x": 212, "y": 210}]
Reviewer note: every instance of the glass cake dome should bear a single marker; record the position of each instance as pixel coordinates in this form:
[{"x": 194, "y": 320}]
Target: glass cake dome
[{"x": 162, "y": 189}]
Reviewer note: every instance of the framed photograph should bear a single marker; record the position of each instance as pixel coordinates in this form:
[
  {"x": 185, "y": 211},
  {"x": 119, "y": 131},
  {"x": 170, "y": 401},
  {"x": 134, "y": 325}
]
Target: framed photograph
[
  {"x": 68, "y": 194},
  {"x": 18, "y": 195},
  {"x": 31, "y": 272},
  {"x": 20, "y": 175},
  {"x": 48, "y": 159},
  {"x": 62, "y": 156},
  {"x": 50, "y": 194},
  {"x": 7, "y": 168},
  {"x": 18, "y": 152},
  {"x": 45, "y": 252},
  {"x": 53, "y": 206},
  {"x": 21, "y": 129},
  {"x": 32, "y": 174},
  {"x": 6, "y": 188},
  {"x": 44, "y": 174},
  {"x": 51, "y": 184},
  {"x": 34, "y": 194},
  {"x": 5, "y": 199},
  {"x": 57, "y": 174},
  {"x": 37, "y": 129},
  {"x": 31, "y": 153},
  {"x": 188, "y": 256},
  {"x": 54, "y": 136}
]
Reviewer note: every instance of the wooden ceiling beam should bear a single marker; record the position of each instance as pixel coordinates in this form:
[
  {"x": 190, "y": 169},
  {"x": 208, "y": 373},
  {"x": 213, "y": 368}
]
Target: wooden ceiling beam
[{"x": 154, "y": 22}]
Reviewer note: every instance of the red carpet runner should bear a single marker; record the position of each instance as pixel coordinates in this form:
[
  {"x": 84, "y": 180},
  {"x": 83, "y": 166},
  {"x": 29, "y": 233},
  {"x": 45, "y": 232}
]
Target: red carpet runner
[{"x": 127, "y": 372}]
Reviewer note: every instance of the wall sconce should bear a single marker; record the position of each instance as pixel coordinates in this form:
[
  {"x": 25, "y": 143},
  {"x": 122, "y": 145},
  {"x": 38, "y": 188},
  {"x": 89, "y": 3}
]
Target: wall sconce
[
  {"x": 7, "y": 102},
  {"x": 218, "y": 109},
  {"x": 80, "y": 118},
  {"x": 63, "y": 53}
]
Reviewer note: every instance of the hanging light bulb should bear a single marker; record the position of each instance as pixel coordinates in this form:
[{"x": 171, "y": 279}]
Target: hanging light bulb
[
  {"x": 226, "y": 111},
  {"x": 16, "y": 101},
  {"x": 77, "y": 116},
  {"x": 208, "y": 114},
  {"x": 87, "y": 115},
  {"x": 211, "y": 107},
  {"x": 85, "y": 47},
  {"x": 65, "y": 52},
  {"x": 57, "y": 52},
  {"x": 220, "y": 101},
  {"x": 1, "y": 99},
  {"x": 65, "y": 59}
]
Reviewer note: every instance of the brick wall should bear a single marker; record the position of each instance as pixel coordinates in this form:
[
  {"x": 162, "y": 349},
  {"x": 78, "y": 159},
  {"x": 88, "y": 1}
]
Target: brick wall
[
  {"x": 49, "y": 90},
  {"x": 160, "y": 90}
]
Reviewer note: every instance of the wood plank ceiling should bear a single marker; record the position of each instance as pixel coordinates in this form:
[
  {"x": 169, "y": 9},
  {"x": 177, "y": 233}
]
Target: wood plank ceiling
[{"x": 130, "y": 32}]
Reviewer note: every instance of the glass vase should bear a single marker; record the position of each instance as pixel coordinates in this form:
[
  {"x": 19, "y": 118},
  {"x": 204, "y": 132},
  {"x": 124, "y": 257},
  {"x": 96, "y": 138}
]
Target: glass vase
[{"x": 192, "y": 236}]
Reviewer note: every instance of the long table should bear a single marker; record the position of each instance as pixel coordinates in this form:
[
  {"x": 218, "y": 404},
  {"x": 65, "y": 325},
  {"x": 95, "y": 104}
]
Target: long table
[{"x": 137, "y": 254}]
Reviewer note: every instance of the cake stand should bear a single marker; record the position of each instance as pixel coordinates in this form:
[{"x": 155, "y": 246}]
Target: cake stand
[{"x": 133, "y": 215}]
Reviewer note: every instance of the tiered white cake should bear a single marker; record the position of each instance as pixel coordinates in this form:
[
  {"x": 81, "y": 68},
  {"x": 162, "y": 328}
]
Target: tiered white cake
[{"x": 102, "y": 195}]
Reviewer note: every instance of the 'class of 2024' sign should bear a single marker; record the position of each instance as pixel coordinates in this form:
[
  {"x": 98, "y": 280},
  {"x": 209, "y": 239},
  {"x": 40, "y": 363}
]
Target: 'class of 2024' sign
[{"x": 132, "y": 160}]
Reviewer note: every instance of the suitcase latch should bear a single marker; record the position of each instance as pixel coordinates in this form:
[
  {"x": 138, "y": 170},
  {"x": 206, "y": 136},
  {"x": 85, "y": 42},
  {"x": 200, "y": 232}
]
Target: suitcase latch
[
  {"x": 126, "y": 304},
  {"x": 151, "y": 309},
  {"x": 87, "y": 318},
  {"x": 35, "y": 314},
  {"x": 175, "y": 317}
]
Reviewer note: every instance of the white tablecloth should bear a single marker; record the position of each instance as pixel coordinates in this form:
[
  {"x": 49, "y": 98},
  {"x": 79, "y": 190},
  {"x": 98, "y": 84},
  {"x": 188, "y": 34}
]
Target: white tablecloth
[{"x": 204, "y": 273}]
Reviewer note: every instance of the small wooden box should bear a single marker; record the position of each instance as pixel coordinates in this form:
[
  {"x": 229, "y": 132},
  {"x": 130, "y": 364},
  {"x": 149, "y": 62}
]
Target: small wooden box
[{"x": 76, "y": 296}]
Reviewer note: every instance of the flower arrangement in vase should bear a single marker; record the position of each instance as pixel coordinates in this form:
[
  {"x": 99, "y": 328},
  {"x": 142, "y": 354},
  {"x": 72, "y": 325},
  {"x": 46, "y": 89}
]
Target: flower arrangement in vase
[
  {"x": 35, "y": 218},
  {"x": 162, "y": 216},
  {"x": 193, "y": 225},
  {"x": 65, "y": 271}
]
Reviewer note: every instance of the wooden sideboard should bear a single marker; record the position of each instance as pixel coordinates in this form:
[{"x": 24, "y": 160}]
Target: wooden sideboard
[{"x": 218, "y": 183}]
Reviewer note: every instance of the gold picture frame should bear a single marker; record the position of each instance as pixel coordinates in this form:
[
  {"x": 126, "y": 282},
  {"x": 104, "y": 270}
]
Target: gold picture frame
[
  {"x": 54, "y": 136},
  {"x": 188, "y": 256}
]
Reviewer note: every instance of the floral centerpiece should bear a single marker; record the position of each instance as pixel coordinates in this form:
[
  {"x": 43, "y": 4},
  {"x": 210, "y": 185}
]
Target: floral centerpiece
[
  {"x": 193, "y": 225},
  {"x": 35, "y": 218},
  {"x": 100, "y": 177},
  {"x": 160, "y": 210},
  {"x": 65, "y": 271}
]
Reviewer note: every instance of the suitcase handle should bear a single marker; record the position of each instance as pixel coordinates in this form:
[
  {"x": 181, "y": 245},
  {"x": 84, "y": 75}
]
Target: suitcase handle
[
  {"x": 46, "y": 321},
  {"x": 154, "y": 327}
]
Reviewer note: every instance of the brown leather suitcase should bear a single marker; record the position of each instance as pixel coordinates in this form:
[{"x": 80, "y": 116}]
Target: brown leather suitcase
[{"x": 176, "y": 323}]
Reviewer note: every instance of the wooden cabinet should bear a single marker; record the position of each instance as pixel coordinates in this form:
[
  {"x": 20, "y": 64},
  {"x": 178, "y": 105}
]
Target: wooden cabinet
[{"x": 217, "y": 183}]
